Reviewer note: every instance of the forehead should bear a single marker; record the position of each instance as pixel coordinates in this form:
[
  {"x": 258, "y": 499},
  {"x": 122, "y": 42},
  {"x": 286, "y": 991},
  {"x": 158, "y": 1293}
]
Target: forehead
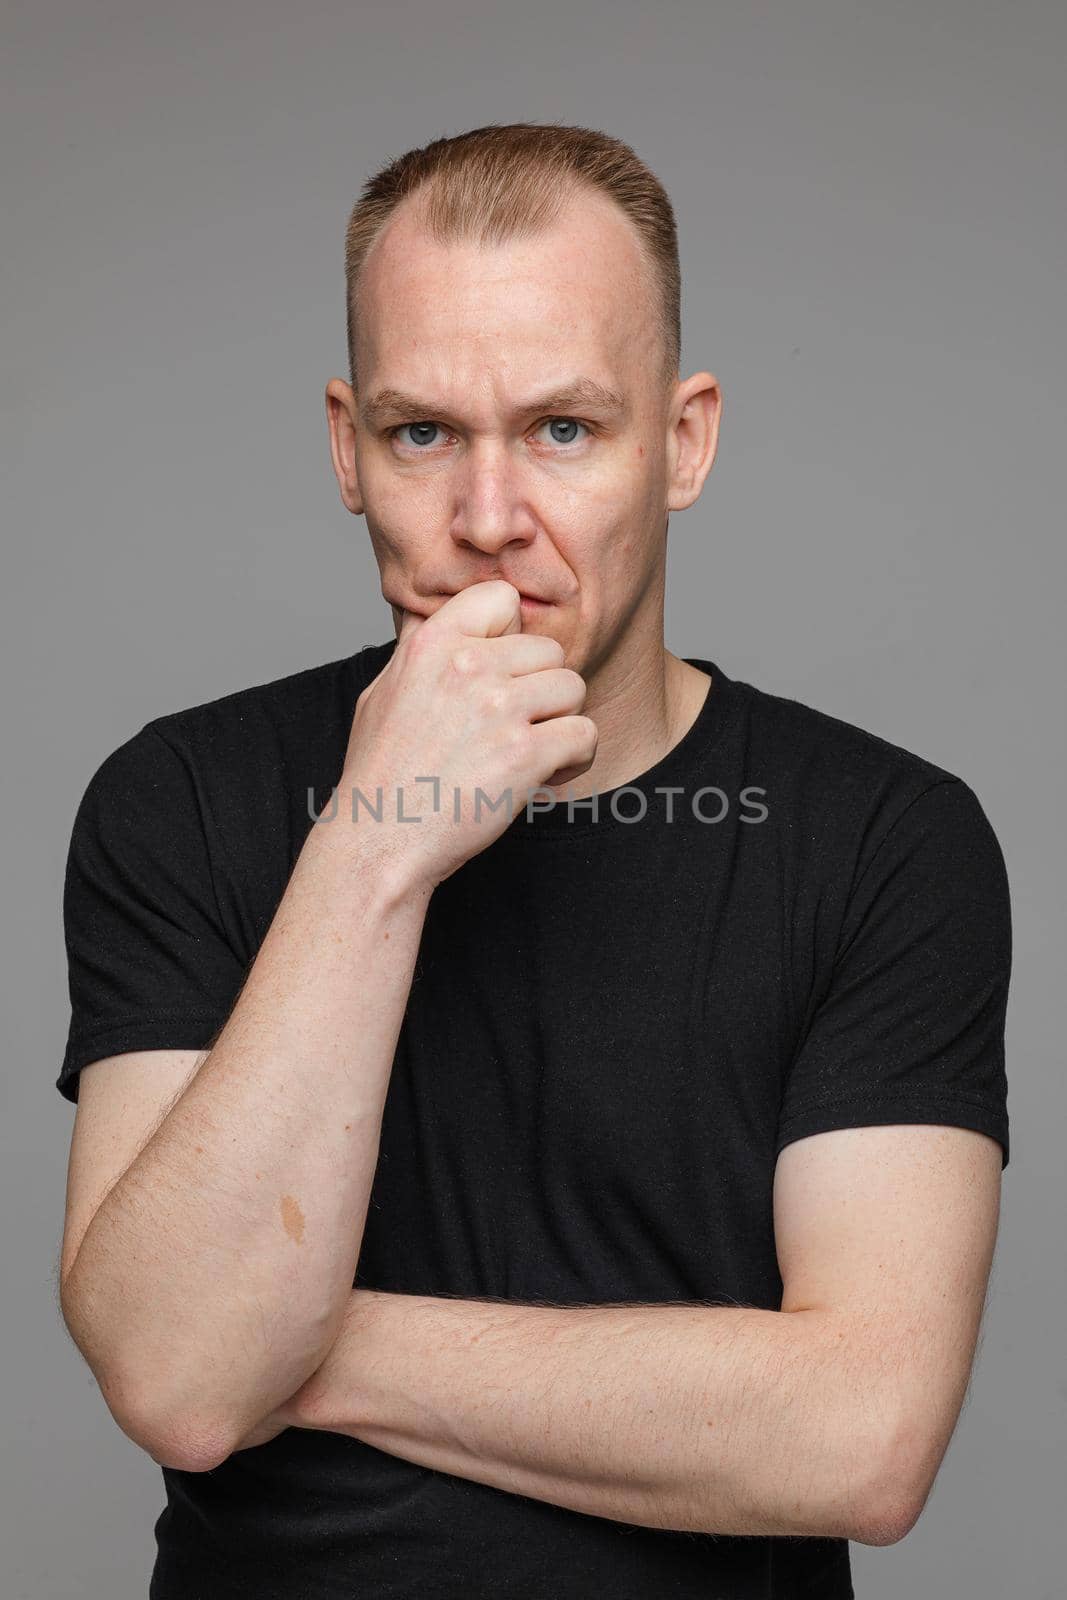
[{"x": 577, "y": 296}]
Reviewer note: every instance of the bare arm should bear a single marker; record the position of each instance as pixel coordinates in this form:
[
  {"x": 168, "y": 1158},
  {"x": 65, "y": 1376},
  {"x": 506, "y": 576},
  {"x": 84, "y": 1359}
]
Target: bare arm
[
  {"x": 726, "y": 1420},
  {"x": 213, "y": 1277},
  {"x": 828, "y": 1417}
]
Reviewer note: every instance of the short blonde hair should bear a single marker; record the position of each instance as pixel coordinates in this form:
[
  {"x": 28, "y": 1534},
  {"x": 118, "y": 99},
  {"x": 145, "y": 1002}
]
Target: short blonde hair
[{"x": 509, "y": 180}]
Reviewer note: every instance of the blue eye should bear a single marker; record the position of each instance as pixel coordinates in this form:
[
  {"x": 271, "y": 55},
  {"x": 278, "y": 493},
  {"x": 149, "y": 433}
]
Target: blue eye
[
  {"x": 421, "y": 434},
  {"x": 419, "y": 428},
  {"x": 563, "y": 423}
]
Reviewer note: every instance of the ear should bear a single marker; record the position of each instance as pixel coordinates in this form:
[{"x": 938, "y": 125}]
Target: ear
[
  {"x": 693, "y": 438},
  {"x": 341, "y": 417}
]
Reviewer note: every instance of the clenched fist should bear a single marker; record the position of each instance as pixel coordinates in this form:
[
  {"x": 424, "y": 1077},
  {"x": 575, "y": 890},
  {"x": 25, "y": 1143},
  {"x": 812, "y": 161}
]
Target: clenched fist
[{"x": 469, "y": 700}]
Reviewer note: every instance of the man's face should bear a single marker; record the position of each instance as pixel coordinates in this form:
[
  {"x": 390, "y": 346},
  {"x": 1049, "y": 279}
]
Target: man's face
[{"x": 505, "y": 460}]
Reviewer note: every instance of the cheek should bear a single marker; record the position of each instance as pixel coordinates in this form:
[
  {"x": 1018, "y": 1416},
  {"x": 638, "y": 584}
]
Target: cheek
[
  {"x": 603, "y": 527},
  {"x": 612, "y": 515},
  {"x": 402, "y": 514},
  {"x": 603, "y": 548},
  {"x": 610, "y": 492}
]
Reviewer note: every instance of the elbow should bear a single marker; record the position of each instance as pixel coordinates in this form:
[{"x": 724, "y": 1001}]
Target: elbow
[
  {"x": 184, "y": 1444},
  {"x": 893, "y": 1500},
  {"x": 884, "y": 1524},
  {"x": 172, "y": 1437},
  {"x": 172, "y": 1432},
  {"x": 189, "y": 1449},
  {"x": 181, "y": 1441},
  {"x": 875, "y": 1481}
]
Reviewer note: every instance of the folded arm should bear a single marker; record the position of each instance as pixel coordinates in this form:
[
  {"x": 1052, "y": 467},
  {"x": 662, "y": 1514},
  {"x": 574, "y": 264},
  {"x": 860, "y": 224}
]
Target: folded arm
[
  {"x": 827, "y": 1418},
  {"x": 730, "y": 1420}
]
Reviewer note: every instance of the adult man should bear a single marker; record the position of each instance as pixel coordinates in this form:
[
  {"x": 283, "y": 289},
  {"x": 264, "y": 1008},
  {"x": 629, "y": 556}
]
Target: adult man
[{"x": 554, "y": 1201}]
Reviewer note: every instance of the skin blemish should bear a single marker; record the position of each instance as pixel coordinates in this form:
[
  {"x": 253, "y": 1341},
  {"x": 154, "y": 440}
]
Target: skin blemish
[{"x": 292, "y": 1218}]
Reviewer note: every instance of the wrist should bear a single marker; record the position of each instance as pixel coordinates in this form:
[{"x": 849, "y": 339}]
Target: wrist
[
  {"x": 333, "y": 1398},
  {"x": 372, "y": 855}
]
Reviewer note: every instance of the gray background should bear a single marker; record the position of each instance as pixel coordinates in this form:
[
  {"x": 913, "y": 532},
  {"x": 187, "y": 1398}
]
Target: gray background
[{"x": 871, "y": 210}]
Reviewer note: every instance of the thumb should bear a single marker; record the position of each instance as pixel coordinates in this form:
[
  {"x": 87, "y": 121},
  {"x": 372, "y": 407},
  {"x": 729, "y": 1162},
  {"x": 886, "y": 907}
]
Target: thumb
[{"x": 410, "y": 621}]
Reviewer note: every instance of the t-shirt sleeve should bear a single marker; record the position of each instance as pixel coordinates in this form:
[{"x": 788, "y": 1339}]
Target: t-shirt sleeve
[
  {"x": 148, "y": 961},
  {"x": 911, "y": 1027}
]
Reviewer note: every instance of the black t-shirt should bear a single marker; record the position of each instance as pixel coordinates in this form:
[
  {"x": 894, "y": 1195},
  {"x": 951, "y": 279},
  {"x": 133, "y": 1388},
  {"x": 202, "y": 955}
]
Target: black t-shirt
[{"x": 614, "y": 1027}]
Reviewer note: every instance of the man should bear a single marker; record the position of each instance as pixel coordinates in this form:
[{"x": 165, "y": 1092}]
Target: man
[{"x": 571, "y": 1165}]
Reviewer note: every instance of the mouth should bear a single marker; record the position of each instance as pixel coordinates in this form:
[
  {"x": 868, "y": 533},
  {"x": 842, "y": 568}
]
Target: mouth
[{"x": 532, "y": 605}]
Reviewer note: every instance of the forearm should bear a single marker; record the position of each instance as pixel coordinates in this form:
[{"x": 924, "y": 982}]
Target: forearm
[
  {"x": 731, "y": 1420},
  {"x": 216, "y": 1273}
]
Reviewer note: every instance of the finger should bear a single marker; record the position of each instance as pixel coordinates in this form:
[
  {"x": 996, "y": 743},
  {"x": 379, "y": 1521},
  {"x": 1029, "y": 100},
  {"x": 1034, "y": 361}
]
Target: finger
[
  {"x": 519, "y": 653},
  {"x": 482, "y": 610},
  {"x": 553, "y": 693},
  {"x": 569, "y": 745}
]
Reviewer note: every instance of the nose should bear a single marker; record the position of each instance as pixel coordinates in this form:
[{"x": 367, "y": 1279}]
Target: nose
[{"x": 491, "y": 510}]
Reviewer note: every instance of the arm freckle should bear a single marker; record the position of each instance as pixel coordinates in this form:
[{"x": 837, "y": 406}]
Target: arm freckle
[{"x": 292, "y": 1218}]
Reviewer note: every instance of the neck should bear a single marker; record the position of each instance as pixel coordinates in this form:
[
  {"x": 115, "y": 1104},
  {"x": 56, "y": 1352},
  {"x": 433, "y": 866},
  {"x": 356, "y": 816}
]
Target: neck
[{"x": 642, "y": 709}]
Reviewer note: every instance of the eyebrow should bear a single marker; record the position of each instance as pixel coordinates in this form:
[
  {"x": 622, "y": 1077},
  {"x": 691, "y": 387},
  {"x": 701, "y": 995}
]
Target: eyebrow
[{"x": 580, "y": 394}]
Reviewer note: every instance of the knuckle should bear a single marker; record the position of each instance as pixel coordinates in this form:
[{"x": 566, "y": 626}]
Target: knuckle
[
  {"x": 464, "y": 661},
  {"x": 518, "y": 741},
  {"x": 494, "y": 697}
]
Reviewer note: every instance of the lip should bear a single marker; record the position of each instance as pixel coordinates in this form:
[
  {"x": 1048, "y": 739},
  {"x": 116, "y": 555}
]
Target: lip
[{"x": 531, "y": 602}]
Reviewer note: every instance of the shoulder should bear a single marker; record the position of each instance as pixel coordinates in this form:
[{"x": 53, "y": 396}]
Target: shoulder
[
  {"x": 841, "y": 791},
  {"x": 831, "y": 747},
  {"x": 238, "y": 768},
  {"x": 810, "y": 748},
  {"x": 283, "y": 710},
  {"x": 295, "y": 724}
]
